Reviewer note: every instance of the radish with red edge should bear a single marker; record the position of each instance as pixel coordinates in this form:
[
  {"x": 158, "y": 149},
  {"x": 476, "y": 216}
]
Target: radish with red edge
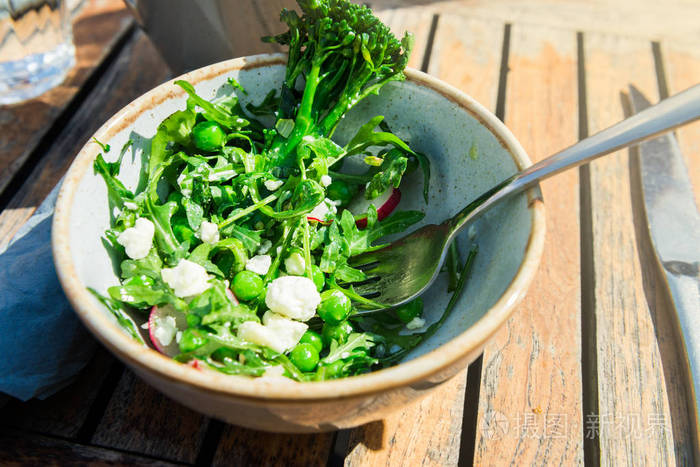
[
  {"x": 387, "y": 202},
  {"x": 163, "y": 325},
  {"x": 231, "y": 296}
]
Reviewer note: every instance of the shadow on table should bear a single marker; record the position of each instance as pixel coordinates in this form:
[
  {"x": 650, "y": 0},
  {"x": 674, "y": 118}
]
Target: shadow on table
[{"x": 371, "y": 436}]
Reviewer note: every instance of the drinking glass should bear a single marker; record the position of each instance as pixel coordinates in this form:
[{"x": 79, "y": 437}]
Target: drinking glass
[{"x": 36, "y": 47}]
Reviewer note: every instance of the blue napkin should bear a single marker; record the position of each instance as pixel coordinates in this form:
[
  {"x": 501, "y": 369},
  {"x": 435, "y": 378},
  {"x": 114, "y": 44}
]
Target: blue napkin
[{"x": 43, "y": 345}]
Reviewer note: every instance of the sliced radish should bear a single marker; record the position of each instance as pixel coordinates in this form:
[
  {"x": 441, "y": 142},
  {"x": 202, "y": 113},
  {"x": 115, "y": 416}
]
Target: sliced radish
[
  {"x": 163, "y": 325},
  {"x": 387, "y": 202},
  {"x": 194, "y": 363},
  {"x": 313, "y": 219},
  {"x": 231, "y": 296}
]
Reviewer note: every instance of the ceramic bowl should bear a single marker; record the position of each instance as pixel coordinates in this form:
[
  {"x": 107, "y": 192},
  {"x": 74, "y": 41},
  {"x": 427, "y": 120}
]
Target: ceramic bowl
[{"x": 470, "y": 150}]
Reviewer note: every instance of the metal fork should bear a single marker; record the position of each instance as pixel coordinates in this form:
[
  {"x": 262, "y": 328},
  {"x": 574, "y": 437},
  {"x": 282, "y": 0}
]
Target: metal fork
[{"x": 405, "y": 268}]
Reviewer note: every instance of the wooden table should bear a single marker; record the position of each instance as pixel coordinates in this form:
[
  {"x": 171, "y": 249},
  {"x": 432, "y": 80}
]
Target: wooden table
[{"x": 586, "y": 370}]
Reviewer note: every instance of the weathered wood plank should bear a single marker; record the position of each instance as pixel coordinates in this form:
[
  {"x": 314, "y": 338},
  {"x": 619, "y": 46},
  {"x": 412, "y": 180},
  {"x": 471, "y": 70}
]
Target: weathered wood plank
[
  {"x": 95, "y": 31},
  {"x": 240, "y": 446},
  {"x": 530, "y": 397},
  {"x": 137, "y": 69},
  {"x": 417, "y": 21},
  {"x": 426, "y": 433},
  {"x": 671, "y": 19},
  {"x": 683, "y": 71},
  {"x": 23, "y": 449},
  {"x": 64, "y": 413},
  {"x": 633, "y": 420},
  {"x": 466, "y": 53},
  {"x": 142, "y": 420}
]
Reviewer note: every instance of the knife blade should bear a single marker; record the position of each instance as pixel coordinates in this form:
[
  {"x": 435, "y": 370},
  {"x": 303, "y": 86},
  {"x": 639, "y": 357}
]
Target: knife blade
[{"x": 674, "y": 227}]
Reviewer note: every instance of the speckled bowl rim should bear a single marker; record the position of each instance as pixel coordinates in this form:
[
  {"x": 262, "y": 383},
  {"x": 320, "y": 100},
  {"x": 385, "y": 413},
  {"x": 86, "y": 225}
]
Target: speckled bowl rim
[{"x": 263, "y": 389}]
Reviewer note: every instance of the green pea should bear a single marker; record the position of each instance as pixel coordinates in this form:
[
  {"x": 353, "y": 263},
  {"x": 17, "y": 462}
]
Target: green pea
[
  {"x": 311, "y": 337},
  {"x": 334, "y": 307},
  {"x": 410, "y": 310},
  {"x": 339, "y": 190},
  {"x": 183, "y": 232},
  {"x": 247, "y": 285},
  {"x": 336, "y": 332},
  {"x": 191, "y": 340},
  {"x": 208, "y": 136},
  {"x": 304, "y": 356},
  {"x": 175, "y": 196},
  {"x": 318, "y": 277},
  {"x": 331, "y": 370},
  {"x": 193, "y": 320}
]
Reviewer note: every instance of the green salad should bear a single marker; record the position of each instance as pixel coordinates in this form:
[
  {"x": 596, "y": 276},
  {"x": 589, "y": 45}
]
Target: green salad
[{"x": 235, "y": 248}]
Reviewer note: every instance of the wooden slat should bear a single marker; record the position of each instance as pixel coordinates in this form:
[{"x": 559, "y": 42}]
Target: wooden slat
[
  {"x": 95, "y": 31},
  {"x": 137, "y": 69},
  {"x": 142, "y": 420},
  {"x": 64, "y": 413},
  {"x": 530, "y": 397},
  {"x": 633, "y": 420},
  {"x": 683, "y": 71},
  {"x": 426, "y": 433},
  {"x": 239, "y": 446},
  {"x": 649, "y": 19},
  {"x": 466, "y": 53},
  {"x": 21, "y": 449},
  {"x": 417, "y": 21}
]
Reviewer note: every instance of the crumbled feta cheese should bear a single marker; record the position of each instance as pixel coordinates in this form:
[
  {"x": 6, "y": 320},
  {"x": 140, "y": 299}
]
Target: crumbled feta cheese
[
  {"x": 264, "y": 247},
  {"x": 415, "y": 323},
  {"x": 274, "y": 371},
  {"x": 131, "y": 206},
  {"x": 178, "y": 336},
  {"x": 209, "y": 232},
  {"x": 277, "y": 332},
  {"x": 144, "y": 325},
  {"x": 165, "y": 329},
  {"x": 116, "y": 211},
  {"x": 322, "y": 210},
  {"x": 326, "y": 180},
  {"x": 259, "y": 264},
  {"x": 273, "y": 185},
  {"x": 137, "y": 240},
  {"x": 293, "y": 296},
  {"x": 186, "y": 279},
  {"x": 295, "y": 264}
]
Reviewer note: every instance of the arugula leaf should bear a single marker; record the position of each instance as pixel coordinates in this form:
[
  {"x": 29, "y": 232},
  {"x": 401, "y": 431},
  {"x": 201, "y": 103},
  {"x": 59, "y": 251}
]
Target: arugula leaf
[
  {"x": 124, "y": 320},
  {"x": 215, "y": 112},
  {"x": 161, "y": 215},
  {"x": 194, "y": 213},
  {"x": 174, "y": 129},
  {"x": 355, "y": 342},
  {"x": 389, "y": 175},
  {"x": 142, "y": 292},
  {"x": 149, "y": 266},
  {"x": 230, "y": 256},
  {"x": 200, "y": 255},
  {"x": 268, "y": 106},
  {"x": 397, "y": 222},
  {"x": 251, "y": 239},
  {"x": 116, "y": 191},
  {"x": 366, "y": 137}
]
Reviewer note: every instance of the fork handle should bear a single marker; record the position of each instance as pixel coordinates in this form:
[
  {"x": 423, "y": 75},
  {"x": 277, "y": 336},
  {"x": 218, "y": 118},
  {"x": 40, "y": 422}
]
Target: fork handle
[{"x": 668, "y": 114}]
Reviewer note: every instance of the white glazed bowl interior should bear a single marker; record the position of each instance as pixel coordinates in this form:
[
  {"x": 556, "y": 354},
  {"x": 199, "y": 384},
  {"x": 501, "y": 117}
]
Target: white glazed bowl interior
[{"x": 433, "y": 117}]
